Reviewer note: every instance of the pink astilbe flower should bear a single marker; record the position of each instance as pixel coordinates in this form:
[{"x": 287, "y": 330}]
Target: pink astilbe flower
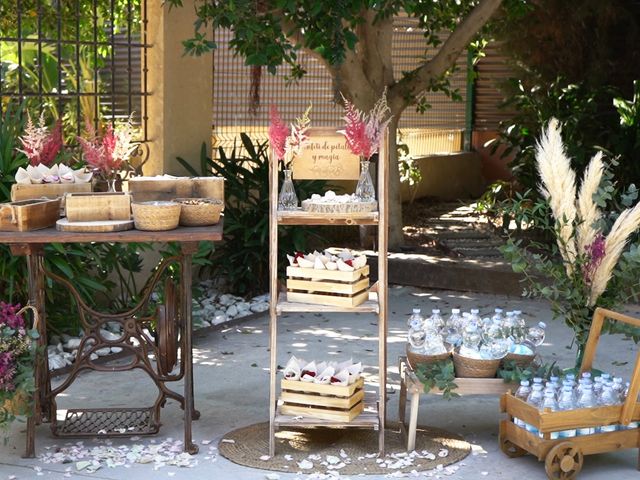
[
  {"x": 364, "y": 131},
  {"x": 278, "y": 132},
  {"x": 39, "y": 144},
  {"x": 595, "y": 252},
  {"x": 108, "y": 154}
]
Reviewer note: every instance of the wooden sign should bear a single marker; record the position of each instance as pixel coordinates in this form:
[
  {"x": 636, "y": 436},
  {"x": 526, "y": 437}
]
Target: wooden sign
[{"x": 326, "y": 157}]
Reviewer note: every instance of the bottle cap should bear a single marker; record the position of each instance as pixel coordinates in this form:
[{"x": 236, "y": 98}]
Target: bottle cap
[
  {"x": 542, "y": 325},
  {"x": 435, "y": 310},
  {"x": 498, "y": 310},
  {"x": 475, "y": 311},
  {"x": 517, "y": 312},
  {"x": 455, "y": 310},
  {"x": 416, "y": 310},
  {"x": 524, "y": 383}
]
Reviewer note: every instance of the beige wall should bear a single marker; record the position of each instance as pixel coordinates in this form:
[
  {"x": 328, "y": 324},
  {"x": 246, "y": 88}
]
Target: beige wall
[{"x": 179, "y": 108}]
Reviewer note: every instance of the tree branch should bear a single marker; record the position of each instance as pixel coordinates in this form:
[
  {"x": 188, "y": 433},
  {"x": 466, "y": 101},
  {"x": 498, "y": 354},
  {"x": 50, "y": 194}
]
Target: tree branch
[{"x": 419, "y": 79}]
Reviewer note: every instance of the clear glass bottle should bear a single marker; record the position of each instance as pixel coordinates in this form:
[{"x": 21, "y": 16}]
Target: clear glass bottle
[
  {"x": 287, "y": 199},
  {"x": 365, "y": 192}
]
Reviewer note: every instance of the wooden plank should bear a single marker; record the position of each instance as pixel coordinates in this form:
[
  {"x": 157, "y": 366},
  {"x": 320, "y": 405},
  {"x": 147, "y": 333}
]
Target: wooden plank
[
  {"x": 532, "y": 443},
  {"x": 321, "y": 400},
  {"x": 324, "y": 414},
  {"x": 145, "y": 189},
  {"x": 329, "y": 300},
  {"x": 298, "y": 217},
  {"x": 337, "y": 390},
  {"x": 315, "y": 274},
  {"x": 28, "y": 215},
  {"x": 367, "y": 419},
  {"x": 329, "y": 287},
  {"x": 370, "y": 306},
  {"x": 51, "y": 235},
  {"x": 326, "y": 157},
  {"x": 88, "y": 207},
  {"x": 21, "y": 191}
]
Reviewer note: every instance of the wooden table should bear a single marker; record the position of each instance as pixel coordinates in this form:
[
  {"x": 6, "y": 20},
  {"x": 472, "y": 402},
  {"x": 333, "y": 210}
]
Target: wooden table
[
  {"x": 177, "y": 325},
  {"x": 410, "y": 383}
]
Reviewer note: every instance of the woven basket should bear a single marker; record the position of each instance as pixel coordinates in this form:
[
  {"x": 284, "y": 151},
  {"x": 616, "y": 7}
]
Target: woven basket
[
  {"x": 416, "y": 358},
  {"x": 156, "y": 216},
  {"x": 521, "y": 361},
  {"x": 474, "y": 368},
  {"x": 197, "y": 212}
]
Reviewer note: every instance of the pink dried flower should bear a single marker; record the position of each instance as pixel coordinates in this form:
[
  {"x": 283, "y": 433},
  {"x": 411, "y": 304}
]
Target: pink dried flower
[
  {"x": 9, "y": 317},
  {"x": 278, "y": 132},
  {"x": 298, "y": 138},
  {"x": 7, "y": 372},
  {"x": 364, "y": 132},
  {"x": 108, "y": 154},
  {"x": 595, "y": 252},
  {"x": 39, "y": 144}
]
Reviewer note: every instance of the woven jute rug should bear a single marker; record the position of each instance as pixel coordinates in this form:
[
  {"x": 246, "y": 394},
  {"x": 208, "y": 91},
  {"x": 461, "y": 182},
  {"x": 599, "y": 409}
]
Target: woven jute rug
[{"x": 348, "y": 451}]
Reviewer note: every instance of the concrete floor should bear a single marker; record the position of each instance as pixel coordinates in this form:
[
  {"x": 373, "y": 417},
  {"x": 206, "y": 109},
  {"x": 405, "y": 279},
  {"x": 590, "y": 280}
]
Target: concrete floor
[{"x": 232, "y": 388}]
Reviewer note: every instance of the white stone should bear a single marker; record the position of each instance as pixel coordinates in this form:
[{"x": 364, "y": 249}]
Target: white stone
[
  {"x": 243, "y": 306},
  {"x": 93, "y": 357},
  {"x": 232, "y": 311},
  {"x": 103, "y": 352},
  {"x": 243, "y": 313},
  {"x": 52, "y": 350},
  {"x": 56, "y": 362},
  {"x": 72, "y": 344},
  {"x": 110, "y": 336},
  {"x": 219, "y": 312},
  {"x": 116, "y": 349},
  {"x": 260, "y": 307},
  {"x": 225, "y": 300}
]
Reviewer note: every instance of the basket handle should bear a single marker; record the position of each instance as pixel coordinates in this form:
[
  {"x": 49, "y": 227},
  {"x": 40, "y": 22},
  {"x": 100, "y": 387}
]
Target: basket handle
[
  {"x": 36, "y": 315},
  {"x": 599, "y": 317}
]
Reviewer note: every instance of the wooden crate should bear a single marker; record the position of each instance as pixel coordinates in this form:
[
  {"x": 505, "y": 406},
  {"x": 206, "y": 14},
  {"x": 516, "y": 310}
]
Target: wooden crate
[
  {"x": 145, "y": 189},
  {"x": 91, "y": 207},
  {"x": 328, "y": 287},
  {"x": 327, "y": 402},
  {"x": 23, "y": 191},
  {"x": 26, "y": 215}
]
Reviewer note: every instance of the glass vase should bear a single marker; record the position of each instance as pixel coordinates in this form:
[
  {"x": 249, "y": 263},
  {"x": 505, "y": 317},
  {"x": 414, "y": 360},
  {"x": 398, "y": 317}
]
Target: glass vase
[
  {"x": 364, "y": 190},
  {"x": 287, "y": 200},
  {"x": 111, "y": 184}
]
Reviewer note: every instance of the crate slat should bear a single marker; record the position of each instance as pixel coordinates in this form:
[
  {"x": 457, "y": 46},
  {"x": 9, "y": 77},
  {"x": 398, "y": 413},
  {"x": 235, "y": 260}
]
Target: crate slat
[
  {"x": 324, "y": 414},
  {"x": 328, "y": 287},
  {"x": 336, "y": 275},
  {"x": 331, "y": 300},
  {"x": 322, "y": 401},
  {"x": 335, "y": 390}
]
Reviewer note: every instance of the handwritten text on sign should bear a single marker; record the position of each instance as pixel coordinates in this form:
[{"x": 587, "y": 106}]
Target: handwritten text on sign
[{"x": 326, "y": 156}]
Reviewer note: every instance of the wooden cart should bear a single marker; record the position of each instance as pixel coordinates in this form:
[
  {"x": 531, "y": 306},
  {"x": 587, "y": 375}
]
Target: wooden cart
[{"x": 563, "y": 457}]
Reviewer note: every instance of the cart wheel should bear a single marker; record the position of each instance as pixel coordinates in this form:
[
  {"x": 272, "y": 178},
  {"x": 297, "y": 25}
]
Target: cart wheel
[
  {"x": 563, "y": 462},
  {"x": 510, "y": 449}
]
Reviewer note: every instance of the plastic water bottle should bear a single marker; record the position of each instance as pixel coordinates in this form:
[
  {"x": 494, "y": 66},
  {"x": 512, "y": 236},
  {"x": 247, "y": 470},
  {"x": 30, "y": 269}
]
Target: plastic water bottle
[
  {"x": 509, "y": 328},
  {"x": 608, "y": 398},
  {"x": 433, "y": 341},
  {"x": 523, "y": 392},
  {"x": 497, "y": 343},
  {"x": 453, "y": 328},
  {"x": 474, "y": 317},
  {"x": 471, "y": 339},
  {"x": 415, "y": 319},
  {"x": 416, "y": 334},
  {"x": 618, "y": 388},
  {"x": 549, "y": 402},
  {"x": 497, "y": 315},
  {"x": 586, "y": 400},
  {"x": 436, "y": 321},
  {"x": 566, "y": 402},
  {"x": 536, "y": 334},
  {"x": 597, "y": 386},
  {"x": 535, "y": 398}
]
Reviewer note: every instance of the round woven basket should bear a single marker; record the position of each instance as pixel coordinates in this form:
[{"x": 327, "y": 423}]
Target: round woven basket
[
  {"x": 198, "y": 212},
  {"x": 417, "y": 358},
  {"x": 522, "y": 361},
  {"x": 474, "y": 368},
  {"x": 156, "y": 216}
]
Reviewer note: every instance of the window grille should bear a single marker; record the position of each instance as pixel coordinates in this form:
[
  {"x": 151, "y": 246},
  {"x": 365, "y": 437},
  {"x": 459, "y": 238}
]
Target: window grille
[{"x": 76, "y": 60}]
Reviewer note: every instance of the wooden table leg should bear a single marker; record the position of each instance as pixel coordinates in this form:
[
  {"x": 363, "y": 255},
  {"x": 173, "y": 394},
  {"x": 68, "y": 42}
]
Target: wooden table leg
[
  {"x": 402, "y": 400},
  {"x": 41, "y": 402},
  {"x": 190, "y": 413},
  {"x": 413, "y": 421}
]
